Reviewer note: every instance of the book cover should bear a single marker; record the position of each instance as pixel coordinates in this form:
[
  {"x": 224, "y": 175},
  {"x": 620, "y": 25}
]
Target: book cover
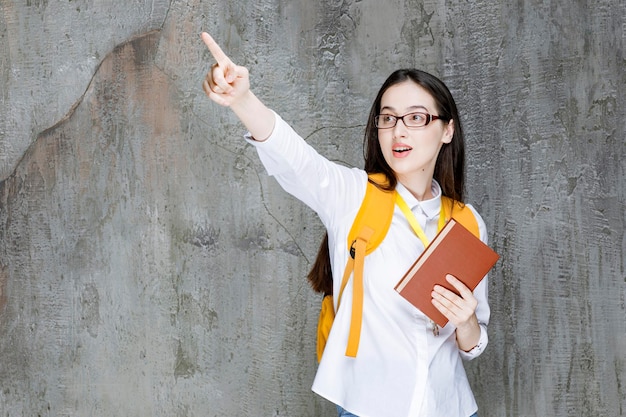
[{"x": 456, "y": 251}]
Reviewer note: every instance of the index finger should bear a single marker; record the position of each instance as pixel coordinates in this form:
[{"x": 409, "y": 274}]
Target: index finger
[
  {"x": 459, "y": 285},
  {"x": 215, "y": 49}
]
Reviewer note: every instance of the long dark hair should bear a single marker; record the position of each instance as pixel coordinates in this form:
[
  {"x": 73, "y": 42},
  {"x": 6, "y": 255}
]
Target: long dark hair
[{"x": 449, "y": 168}]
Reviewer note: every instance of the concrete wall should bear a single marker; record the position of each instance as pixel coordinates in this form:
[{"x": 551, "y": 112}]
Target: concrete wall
[{"x": 149, "y": 267}]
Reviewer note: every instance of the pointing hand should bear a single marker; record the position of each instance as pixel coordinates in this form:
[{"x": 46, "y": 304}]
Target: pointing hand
[{"x": 226, "y": 82}]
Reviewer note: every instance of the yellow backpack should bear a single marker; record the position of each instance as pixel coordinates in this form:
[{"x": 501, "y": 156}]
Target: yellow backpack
[{"x": 368, "y": 230}]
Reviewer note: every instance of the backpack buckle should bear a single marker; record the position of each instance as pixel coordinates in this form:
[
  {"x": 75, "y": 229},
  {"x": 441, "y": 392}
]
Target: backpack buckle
[{"x": 353, "y": 249}]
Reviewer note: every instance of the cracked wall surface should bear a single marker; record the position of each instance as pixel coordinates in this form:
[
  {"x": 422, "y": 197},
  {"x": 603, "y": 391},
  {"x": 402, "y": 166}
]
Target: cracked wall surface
[{"x": 149, "y": 267}]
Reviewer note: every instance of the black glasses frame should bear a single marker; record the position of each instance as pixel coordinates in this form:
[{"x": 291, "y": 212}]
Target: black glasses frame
[{"x": 429, "y": 118}]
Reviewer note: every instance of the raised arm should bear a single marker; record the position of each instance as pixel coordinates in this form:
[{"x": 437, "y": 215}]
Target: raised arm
[{"x": 228, "y": 84}]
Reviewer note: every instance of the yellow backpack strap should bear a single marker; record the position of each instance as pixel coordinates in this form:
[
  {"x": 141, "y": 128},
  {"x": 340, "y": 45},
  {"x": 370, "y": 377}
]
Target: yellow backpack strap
[
  {"x": 461, "y": 214},
  {"x": 368, "y": 231},
  {"x": 359, "y": 247},
  {"x": 376, "y": 212}
]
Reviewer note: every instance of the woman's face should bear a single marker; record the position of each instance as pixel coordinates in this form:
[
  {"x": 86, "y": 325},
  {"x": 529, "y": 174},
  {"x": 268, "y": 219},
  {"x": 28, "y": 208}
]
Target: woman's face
[{"x": 412, "y": 151}]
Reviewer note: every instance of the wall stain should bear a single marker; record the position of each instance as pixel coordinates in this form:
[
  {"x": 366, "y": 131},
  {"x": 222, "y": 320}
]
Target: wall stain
[
  {"x": 90, "y": 309},
  {"x": 183, "y": 367},
  {"x": 202, "y": 237},
  {"x": 4, "y": 277}
]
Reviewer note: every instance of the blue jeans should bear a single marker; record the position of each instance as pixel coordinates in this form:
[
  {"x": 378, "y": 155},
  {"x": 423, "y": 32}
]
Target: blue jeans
[{"x": 343, "y": 413}]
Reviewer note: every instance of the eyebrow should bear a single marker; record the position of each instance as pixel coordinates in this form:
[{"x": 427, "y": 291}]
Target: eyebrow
[{"x": 412, "y": 108}]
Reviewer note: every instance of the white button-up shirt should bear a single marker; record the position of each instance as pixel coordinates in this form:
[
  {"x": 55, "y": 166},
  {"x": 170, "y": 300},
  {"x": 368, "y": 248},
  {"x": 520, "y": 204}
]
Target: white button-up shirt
[{"x": 402, "y": 368}]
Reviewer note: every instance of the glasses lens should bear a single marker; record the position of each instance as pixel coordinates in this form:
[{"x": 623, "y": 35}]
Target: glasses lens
[
  {"x": 385, "y": 121},
  {"x": 416, "y": 119}
]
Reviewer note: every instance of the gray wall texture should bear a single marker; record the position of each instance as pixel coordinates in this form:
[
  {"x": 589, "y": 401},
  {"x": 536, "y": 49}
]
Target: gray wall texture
[{"x": 149, "y": 267}]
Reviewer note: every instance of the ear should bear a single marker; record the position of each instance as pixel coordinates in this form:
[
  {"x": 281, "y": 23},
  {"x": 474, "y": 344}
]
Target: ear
[{"x": 448, "y": 132}]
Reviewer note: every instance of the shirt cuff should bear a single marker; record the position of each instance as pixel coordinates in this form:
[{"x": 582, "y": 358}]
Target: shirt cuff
[
  {"x": 277, "y": 120},
  {"x": 281, "y": 150},
  {"x": 480, "y": 346}
]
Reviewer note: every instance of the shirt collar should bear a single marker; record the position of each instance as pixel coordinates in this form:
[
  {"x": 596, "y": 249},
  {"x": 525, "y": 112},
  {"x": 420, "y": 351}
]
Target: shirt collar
[{"x": 430, "y": 207}]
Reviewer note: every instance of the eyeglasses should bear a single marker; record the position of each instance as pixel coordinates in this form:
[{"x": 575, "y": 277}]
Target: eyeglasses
[{"x": 417, "y": 119}]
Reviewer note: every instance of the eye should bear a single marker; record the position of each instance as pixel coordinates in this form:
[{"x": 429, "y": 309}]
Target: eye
[
  {"x": 417, "y": 117},
  {"x": 387, "y": 118}
]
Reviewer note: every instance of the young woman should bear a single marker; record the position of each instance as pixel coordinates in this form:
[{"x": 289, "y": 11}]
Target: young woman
[{"x": 405, "y": 366}]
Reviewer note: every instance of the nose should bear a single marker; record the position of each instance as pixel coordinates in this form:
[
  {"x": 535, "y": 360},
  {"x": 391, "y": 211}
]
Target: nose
[{"x": 399, "y": 130}]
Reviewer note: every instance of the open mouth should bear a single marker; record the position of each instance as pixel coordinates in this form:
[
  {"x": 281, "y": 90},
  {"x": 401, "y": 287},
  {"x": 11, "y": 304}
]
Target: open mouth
[{"x": 402, "y": 149}]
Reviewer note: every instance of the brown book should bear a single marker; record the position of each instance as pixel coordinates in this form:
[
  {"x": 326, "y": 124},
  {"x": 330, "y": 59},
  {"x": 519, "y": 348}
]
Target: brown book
[{"x": 455, "y": 251}]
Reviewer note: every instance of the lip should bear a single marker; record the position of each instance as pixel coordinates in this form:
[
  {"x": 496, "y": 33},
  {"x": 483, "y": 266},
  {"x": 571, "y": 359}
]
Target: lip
[{"x": 401, "y": 150}]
